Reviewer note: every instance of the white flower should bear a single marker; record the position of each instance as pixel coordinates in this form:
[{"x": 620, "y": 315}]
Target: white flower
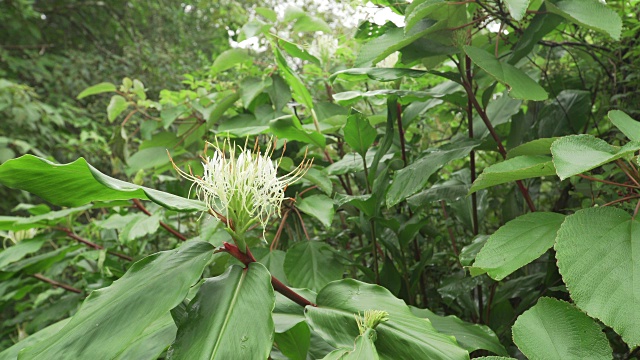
[{"x": 242, "y": 186}]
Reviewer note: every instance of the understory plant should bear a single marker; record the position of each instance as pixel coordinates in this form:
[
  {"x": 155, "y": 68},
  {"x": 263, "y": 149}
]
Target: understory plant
[{"x": 461, "y": 184}]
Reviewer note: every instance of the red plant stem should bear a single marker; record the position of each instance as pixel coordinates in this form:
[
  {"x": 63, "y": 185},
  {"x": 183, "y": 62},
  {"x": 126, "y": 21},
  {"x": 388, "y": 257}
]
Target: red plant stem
[
  {"x": 626, "y": 198},
  {"x": 496, "y": 138},
  {"x": 472, "y": 154},
  {"x": 175, "y": 233},
  {"x": 57, "y": 284},
  {"x": 90, "y": 244},
  {"x": 247, "y": 258},
  {"x": 607, "y": 181}
]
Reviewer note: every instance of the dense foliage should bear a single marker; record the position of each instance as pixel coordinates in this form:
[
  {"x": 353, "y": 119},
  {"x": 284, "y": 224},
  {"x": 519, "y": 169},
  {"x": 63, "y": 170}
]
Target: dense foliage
[{"x": 252, "y": 180}]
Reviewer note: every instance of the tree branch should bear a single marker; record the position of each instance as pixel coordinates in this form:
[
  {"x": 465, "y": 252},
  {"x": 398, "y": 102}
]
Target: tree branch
[
  {"x": 57, "y": 284},
  {"x": 174, "y": 232},
  {"x": 90, "y": 244}
]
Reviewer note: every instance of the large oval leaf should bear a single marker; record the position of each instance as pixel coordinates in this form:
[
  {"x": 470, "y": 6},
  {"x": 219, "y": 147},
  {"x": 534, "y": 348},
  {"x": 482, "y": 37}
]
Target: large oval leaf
[
  {"x": 404, "y": 336},
  {"x": 78, "y": 183},
  {"x": 575, "y": 154},
  {"x": 229, "y": 318},
  {"x": 598, "y": 252},
  {"x": 554, "y": 329},
  {"x": 112, "y": 318},
  {"x": 517, "y": 168},
  {"x": 517, "y": 243}
]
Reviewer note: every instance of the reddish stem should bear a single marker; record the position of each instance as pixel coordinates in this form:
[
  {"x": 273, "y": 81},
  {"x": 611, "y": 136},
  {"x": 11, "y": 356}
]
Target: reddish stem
[
  {"x": 175, "y": 233},
  {"x": 57, "y": 284},
  {"x": 247, "y": 258},
  {"x": 90, "y": 244}
]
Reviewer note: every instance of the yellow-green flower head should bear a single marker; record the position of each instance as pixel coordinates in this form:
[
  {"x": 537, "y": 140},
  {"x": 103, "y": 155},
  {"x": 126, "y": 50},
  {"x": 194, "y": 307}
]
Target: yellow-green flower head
[{"x": 242, "y": 186}]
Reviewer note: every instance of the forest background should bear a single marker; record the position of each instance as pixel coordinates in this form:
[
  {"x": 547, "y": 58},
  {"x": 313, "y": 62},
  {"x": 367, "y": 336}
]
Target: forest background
[{"x": 475, "y": 159}]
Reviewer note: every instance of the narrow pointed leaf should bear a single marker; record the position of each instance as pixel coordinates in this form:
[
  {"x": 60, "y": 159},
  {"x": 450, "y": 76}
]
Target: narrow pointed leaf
[{"x": 518, "y": 168}]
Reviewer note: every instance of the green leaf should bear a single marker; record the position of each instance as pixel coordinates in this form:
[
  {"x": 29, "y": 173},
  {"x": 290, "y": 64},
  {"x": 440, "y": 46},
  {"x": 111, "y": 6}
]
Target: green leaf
[
  {"x": 50, "y": 218},
  {"x": 319, "y": 206},
  {"x": 12, "y": 352},
  {"x": 404, "y": 336},
  {"x": 414, "y": 177},
  {"x": 554, "y": 329},
  {"x": 289, "y": 128},
  {"x": 311, "y": 265},
  {"x": 358, "y": 132},
  {"x": 79, "y": 183},
  {"x": 378, "y": 74},
  {"x": 393, "y": 40},
  {"x": 111, "y": 318},
  {"x": 517, "y": 168},
  {"x": 517, "y": 243},
  {"x": 521, "y": 86},
  {"x": 117, "y": 105},
  {"x": 567, "y": 114},
  {"x": 229, "y": 318},
  {"x": 592, "y": 14},
  {"x": 420, "y": 9},
  {"x": 170, "y": 114},
  {"x": 575, "y": 154},
  {"x": 294, "y": 343},
  {"x": 535, "y": 147},
  {"x": 598, "y": 258},
  {"x": 152, "y": 342},
  {"x": 364, "y": 349},
  {"x": 20, "y": 250},
  {"x": 541, "y": 24},
  {"x": 470, "y": 336},
  {"x": 299, "y": 91},
  {"x": 629, "y": 127},
  {"x": 229, "y": 59},
  {"x": 309, "y": 23},
  {"x": 450, "y": 190},
  {"x": 407, "y": 96},
  {"x": 97, "y": 89},
  {"x": 517, "y": 8},
  {"x": 250, "y": 88}
]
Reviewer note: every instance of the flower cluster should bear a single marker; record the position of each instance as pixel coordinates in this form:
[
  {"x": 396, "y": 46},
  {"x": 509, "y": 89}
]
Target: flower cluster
[{"x": 241, "y": 187}]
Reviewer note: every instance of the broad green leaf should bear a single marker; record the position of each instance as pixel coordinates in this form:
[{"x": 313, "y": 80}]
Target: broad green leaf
[
  {"x": 250, "y": 88},
  {"x": 229, "y": 59},
  {"x": 287, "y": 313},
  {"x": 289, "y": 128},
  {"x": 629, "y": 127},
  {"x": 311, "y": 265},
  {"x": 152, "y": 342},
  {"x": 309, "y": 23},
  {"x": 268, "y": 14},
  {"x": 273, "y": 260},
  {"x": 598, "y": 252},
  {"x": 298, "y": 89},
  {"x": 406, "y": 96},
  {"x": 592, "y": 14},
  {"x": 116, "y": 106},
  {"x": 404, "y": 336},
  {"x": 113, "y": 317},
  {"x": 295, "y": 51},
  {"x": 517, "y": 8},
  {"x": 554, "y": 329},
  {"x": 521, "y": 86},
  {"x": 420, "y": 9},
  {"x": 393, "y": 40},
  {"x": 358, "y": 132},
  {"x": 542, "y": 23},
  {"x": 575, "y": 154},
  {"x": 468, "y": 253},
  {"x": 223, "y": 103},
  {"x": 517, "y": 243},
  {"x": 79, "y": 183},
  {"x": 229, "y": 318},
  {"x": 38, "y": 263},
  {"x": 535, "y": 147},
  {"x": 378, "y": 74},
  {"x": 319, "y": 206},
  {"x": 170, "y": 114},
  {"x": 16, "y": 223},
  {"x": 470, "y": 336},
  {"x": 149, "y": 158},
  {"x": 363, "y": 349},
  {"x": 517, "y": 168},
  {"x": 414, "y": 177},
  {"x": 449, "y": 190},
  {"x": 12, "y": 352},
  {"x": 97, "y": 89},
  {"x": 294, "y": 343},
  {"x": 20, "y": 250}
]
